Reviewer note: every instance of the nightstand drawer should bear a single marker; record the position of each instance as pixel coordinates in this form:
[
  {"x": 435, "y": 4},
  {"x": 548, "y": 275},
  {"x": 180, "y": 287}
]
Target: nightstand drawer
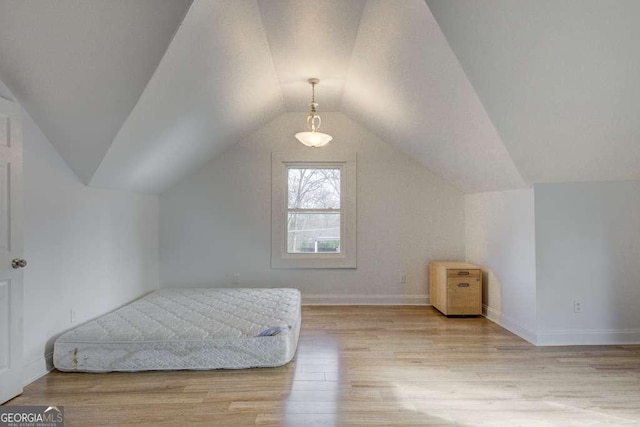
[
  {"x": 464, "y": 296},
  {"x": 463, "y": 273}
]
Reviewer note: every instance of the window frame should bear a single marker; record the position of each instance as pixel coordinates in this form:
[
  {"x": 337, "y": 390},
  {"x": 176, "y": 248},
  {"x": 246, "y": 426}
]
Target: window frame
[
  {"x": 340, "y": 210},
  {"x": 280, "y": 256}
]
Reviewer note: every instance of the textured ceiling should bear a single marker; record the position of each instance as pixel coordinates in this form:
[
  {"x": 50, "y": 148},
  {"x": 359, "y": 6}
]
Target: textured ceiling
[
  {"x": 311, "y": 39},
  {"x": 79, "y": 66},
  {"x": 552, "y": 85},
  {"x": 559, "y": 79},
  {"x": 215, "y": 85},
  {"x": 405, "y": 84}
]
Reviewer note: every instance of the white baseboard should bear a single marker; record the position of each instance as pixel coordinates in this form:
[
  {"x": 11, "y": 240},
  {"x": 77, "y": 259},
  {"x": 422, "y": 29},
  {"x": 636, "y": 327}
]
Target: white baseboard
[
  {"x": 357, "y": 299},
  {"x": 509, "y": 323},
  {"x": 589, "y": 337},
  {"x": 36, "y": 369},
  {"x": 564, "y": 337}
]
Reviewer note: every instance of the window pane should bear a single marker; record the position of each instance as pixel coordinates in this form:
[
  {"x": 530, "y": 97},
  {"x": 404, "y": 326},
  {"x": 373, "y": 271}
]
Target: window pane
[
  {"x": 313, "y": 233},
  {"x": 313, "y": 188}
]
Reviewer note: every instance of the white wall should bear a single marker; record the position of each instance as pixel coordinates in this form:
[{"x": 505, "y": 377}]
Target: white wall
[
  {"x": 500, "y": 237},
  {"x": 217, "y": 221},
  {"x": 588, "y": 248},
  {"x": 88, "y": 249}
]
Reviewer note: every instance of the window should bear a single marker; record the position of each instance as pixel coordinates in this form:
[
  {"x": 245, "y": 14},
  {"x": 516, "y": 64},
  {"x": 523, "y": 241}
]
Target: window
[
  {"x": 313, "y": 209},
  {"x": 313, "y": 214}
]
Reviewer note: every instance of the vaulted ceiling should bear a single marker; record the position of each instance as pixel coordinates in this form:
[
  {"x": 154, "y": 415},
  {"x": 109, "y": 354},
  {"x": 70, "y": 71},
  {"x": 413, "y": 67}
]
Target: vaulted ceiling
[
  {"x": 560, "y": 81},
  {"x": 78, "y": 67},
  {"x": 136, "y": 94}
]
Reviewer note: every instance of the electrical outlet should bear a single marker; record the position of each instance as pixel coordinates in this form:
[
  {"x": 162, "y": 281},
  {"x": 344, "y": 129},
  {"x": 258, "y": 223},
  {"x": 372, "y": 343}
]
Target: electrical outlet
[
  {"x": 72, "y": 316},
  {"x": 577, "y": 306},
  {"x": 403, "y": 278},
  {"x": 236, "y": 278}
]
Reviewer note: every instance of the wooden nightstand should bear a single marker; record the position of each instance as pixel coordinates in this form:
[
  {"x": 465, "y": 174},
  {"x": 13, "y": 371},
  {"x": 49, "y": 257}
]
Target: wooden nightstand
[{"x": 455, "y": 288}]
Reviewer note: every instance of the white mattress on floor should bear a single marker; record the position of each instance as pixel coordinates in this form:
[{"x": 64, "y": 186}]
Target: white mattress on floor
[{"x": 187, "y": 329}]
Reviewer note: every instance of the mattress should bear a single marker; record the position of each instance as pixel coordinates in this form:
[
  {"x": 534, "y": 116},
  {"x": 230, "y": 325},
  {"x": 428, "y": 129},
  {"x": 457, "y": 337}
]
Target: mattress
[{"x": 187, "y": 329}]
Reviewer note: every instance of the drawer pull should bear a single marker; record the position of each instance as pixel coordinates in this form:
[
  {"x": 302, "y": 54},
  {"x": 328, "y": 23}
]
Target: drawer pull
[
  {"x": 463, "y": 273},
  {"x": 463, "y": 285}
]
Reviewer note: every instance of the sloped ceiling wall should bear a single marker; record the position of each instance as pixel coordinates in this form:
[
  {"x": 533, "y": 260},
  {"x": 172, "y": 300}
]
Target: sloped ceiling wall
[
  {"x": 559, "y": 79},
  {"x": 405, "y": 84},
  {"x": 551, "y": 85},
  {"x": 79, "y": 66},
  {"x": 215, "y": 84}
]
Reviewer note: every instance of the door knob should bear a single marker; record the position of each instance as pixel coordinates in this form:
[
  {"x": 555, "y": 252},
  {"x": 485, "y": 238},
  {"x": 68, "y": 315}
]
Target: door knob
[{"x": 18, "y": 263}]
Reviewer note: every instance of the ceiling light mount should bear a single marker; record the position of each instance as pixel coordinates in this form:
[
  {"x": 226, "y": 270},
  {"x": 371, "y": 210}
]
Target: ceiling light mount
[{"x": 313, "y": 138}]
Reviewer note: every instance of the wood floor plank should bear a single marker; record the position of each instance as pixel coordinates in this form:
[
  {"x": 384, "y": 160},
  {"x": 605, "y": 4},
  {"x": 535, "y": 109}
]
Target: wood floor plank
[{"x": 373, "y": 366}]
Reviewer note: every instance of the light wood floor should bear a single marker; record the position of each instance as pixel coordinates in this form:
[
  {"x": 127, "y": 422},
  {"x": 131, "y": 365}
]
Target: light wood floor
[{"x": 373, "y": 366}]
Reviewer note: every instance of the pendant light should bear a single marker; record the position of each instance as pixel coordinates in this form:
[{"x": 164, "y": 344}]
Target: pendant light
[{"x": 313, "y": 138}]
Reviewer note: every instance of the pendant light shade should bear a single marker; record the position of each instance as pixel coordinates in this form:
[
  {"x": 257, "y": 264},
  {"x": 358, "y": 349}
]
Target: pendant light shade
[{"x": 313, "y": 138}]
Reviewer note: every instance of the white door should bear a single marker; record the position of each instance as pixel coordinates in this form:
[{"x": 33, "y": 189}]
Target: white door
[{"x": 11, "y": 261}]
